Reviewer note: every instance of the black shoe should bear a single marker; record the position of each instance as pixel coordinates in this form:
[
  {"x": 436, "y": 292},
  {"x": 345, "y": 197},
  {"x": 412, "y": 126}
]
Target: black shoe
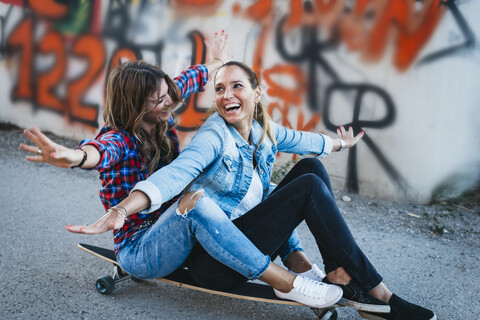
[
  {"x": 356, "y": 297},
  {"x": 401, "y": 310}
]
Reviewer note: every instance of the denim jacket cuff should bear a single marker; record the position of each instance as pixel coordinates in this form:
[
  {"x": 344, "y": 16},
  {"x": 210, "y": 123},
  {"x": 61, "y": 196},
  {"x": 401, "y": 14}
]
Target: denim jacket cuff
[
  {"x": 152, "y": 192},
  {"x": 327, "y": 146}
]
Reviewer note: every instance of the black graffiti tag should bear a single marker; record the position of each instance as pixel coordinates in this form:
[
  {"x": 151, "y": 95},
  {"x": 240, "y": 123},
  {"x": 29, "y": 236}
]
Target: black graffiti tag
[{"x": 358, "y": 125}]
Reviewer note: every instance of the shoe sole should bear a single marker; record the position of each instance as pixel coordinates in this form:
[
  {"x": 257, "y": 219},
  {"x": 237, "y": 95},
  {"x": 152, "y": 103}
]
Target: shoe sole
[
  {"x": 365, "y": 307},
  {"x": 374, "y": 317}
]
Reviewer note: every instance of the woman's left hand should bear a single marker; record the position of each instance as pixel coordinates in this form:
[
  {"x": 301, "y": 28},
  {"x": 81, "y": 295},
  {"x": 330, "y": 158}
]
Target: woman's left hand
[{"x": 348, "y": 137}]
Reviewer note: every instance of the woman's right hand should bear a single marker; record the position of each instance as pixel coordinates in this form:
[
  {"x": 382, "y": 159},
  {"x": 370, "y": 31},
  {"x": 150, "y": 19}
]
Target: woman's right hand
[
  {"x": 217, "y": 48},
  {"x": 48, "y": 151},
  {"x": 112, "y": 220}
]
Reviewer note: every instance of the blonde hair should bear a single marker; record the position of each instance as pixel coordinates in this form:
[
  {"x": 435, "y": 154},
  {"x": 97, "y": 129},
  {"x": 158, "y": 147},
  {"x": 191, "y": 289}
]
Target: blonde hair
[
  {"x": 260, "y": 114},
  {"x": 128, "y": 89}
]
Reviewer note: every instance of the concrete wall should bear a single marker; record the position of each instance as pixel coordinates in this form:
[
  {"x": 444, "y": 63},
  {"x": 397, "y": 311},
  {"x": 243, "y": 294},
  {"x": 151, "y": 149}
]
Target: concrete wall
[{"x": 405, "y": 72}]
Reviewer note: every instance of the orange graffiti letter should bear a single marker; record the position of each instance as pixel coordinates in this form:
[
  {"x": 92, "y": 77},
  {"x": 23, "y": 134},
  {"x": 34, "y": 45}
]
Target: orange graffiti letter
[
  {"x": 22, "y": 39},
  {"x": 191, "y": 118},
  {"x": 91, "y": 48},
  {"x": 52, "y": 42},
  {"x": 289, "y": 95},
  {"x": 49, "y": 8}
]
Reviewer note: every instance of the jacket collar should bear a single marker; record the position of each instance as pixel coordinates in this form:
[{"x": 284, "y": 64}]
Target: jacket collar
[{"x": 255, "y": 132}]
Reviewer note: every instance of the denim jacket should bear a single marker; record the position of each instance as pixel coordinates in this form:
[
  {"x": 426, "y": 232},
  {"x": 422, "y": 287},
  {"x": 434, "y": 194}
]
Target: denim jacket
[{"x": 219, "y": 161}]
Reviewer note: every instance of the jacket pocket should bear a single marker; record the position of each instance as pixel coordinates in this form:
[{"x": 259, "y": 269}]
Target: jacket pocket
[
  {"x": 226, "y": 172},
  {"x": 230, "y": 165}
]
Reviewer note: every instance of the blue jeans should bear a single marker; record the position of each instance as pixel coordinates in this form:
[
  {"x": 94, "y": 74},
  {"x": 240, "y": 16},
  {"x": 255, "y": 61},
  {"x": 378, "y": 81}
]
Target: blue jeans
[
  {"x": 161, "y": 249},
  {"x": 304, "y": 194}
]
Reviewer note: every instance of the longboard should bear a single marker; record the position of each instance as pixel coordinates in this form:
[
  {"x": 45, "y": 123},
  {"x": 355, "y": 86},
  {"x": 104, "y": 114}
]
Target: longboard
[{"x": 247, "y": 291}]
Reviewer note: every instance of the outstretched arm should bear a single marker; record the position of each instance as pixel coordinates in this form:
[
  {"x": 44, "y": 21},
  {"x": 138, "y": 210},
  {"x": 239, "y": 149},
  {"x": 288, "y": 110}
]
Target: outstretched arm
[
  {"x": 165, "y": 183},
  {"x": 303, "y": 142},
  {"x": 45, "y": 150}
]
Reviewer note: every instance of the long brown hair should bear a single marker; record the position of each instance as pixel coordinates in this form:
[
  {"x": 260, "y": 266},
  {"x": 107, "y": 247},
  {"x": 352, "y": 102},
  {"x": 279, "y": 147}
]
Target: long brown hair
[
  {"x": 260, "y": 114},
  {"x": 129, "y": 87}
]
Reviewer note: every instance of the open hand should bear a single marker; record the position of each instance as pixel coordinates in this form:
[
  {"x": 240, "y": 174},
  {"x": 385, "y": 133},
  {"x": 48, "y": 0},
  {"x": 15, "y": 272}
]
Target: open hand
[
  {"x": 217, "y": 48},
  {"x": 347, "y": 136},
  {"x": 48, "y": 151},
  {"x": 112, "y": 220}
]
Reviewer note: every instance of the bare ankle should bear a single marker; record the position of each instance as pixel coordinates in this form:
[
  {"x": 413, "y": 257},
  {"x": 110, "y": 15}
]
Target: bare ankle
[
  {"x": 298, "y": 262},
  {"x": 339, "y": 276},
  {"x": 278, "y": 278},
  {"x": 381, "y": 292}
]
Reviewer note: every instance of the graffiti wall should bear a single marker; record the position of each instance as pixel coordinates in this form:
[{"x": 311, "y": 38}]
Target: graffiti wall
[{"x": 406, "y": 72}]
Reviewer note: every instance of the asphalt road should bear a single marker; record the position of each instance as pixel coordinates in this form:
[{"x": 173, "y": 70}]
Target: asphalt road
[{"x": 45, "y": 276}]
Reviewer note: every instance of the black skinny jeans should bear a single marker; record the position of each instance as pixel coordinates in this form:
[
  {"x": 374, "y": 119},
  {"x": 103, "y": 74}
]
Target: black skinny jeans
[{"x": 304, "y": 194}]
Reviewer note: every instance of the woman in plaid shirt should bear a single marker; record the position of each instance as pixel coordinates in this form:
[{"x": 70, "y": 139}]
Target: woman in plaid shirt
[{"x": 135, "y": 140}]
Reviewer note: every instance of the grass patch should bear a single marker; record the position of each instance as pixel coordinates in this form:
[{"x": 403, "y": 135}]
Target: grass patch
[{"x": 469, "y": 199}]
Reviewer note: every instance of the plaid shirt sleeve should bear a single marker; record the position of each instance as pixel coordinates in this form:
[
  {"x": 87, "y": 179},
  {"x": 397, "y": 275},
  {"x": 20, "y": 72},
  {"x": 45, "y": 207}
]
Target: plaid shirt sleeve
[
  {"x": 190, "y": 80},
  {"x": 112, "y": 147}
]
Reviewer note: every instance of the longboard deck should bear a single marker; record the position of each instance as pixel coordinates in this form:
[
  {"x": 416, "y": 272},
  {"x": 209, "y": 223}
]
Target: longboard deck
[{"x": 247, "y": 291}]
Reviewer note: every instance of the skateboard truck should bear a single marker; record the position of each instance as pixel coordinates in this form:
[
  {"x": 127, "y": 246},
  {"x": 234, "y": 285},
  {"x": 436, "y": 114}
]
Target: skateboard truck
[
  {"x": 106, "y": 284},
  {"x": 326, "y": 314}
]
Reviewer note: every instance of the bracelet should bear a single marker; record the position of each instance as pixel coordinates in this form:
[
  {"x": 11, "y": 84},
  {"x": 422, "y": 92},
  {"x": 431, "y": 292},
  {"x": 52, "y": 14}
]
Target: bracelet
[
  {"x": 342, "y": 145},
  {"x": 121, "y": 211},
  {"x": 83, "y": 160}
]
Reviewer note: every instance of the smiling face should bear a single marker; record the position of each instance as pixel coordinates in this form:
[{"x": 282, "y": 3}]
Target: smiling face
[
  {"x": 235, "y": 98},
  {"x": 159, "y": 106}
]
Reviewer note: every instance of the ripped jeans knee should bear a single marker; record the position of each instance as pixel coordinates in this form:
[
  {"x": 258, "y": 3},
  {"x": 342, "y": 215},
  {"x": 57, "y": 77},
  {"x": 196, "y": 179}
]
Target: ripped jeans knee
[{"x": 188, "y": 202}]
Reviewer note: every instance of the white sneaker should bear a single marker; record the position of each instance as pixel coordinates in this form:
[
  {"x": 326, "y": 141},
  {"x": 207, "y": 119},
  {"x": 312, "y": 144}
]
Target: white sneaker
[
  {"x": 312, "y": 293},
  {"x": 315, "y": 273}
]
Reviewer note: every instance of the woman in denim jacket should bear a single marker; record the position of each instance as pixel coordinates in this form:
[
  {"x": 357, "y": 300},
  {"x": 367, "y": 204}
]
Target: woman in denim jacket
[{"x": 230, "y": 160}]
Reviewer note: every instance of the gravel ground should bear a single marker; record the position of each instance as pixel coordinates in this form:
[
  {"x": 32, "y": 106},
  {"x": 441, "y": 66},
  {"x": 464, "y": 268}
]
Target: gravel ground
[
  {"x": 440, "y": 222},
  {"x": 429, "y": 254}
]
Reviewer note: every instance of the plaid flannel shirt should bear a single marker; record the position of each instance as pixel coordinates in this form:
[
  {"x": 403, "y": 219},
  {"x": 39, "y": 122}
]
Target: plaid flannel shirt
[{"x": 121, "y": 166}]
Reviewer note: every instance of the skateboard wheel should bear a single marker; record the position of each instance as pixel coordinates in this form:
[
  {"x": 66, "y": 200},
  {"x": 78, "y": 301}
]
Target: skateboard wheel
[{"x": 105, "y": 285}]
